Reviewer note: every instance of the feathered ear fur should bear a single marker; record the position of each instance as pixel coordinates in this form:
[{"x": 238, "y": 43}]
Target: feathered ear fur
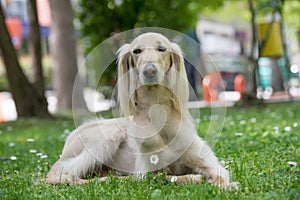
[
  {"x": 178, "y": 77},
  {"x": 126, "y": 102}
]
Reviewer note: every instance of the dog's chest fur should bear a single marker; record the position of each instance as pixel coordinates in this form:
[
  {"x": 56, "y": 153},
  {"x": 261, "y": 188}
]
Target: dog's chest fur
[{"x": 154, "y": 114}]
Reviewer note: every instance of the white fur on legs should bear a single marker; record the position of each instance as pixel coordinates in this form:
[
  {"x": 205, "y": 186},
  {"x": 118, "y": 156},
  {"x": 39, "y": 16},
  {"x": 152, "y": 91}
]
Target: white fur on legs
[
  {"x": 201, "y": 158},
  {"x": 86, "y": 149}
]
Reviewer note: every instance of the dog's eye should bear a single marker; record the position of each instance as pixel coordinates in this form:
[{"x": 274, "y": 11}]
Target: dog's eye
[
  {"x": 137, "y": 51},
  {"x": 162, "y": 49}
]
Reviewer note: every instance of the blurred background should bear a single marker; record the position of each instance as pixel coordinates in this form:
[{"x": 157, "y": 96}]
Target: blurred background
[{"x": 249, "y": 50}]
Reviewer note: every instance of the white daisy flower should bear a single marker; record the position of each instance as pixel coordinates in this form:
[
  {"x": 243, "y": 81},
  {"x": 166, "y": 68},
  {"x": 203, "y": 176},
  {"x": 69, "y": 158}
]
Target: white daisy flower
[
  {"x": 295, "y": 124},
  {"x": 32, "y": 151},
  {"x": 154, "y": 159},
  {"x": 44, "y": 156},
  {"x": 276, "y": 129},
  {"x": 292, "y": 164},
  {"x": 30, "y": 140},
  {"x": 239, "y": 134},
  {"x": 13, "y": 158},
  {"x": 39, "y": 154},
  {"x": 287, "y": 128},
  {"x": 242, "y": 122},
  {"x": 173, "y": 179},
  {"x": 66, "y": 131},
  {"x": 11, "y": 144}
]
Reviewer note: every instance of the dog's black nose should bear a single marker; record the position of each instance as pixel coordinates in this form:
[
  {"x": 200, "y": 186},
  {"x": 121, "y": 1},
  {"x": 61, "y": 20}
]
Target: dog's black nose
[{"x": 150, "y": 70}]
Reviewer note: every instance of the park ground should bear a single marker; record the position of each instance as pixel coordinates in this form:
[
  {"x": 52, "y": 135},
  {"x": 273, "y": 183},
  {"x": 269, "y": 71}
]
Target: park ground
[{"x": 259, "y": 145}]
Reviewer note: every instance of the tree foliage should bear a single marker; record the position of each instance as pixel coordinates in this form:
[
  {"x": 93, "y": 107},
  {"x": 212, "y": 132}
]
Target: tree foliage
[{"x": 100, "y": 19}]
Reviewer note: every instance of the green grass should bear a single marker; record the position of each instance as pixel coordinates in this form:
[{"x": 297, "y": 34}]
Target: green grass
[{"x": 258, "y": 160}]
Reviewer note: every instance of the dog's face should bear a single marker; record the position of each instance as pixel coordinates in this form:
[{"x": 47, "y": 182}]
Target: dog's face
[
  {"x": 151, "y": 56},
  {"x": 150, "y": 59}
]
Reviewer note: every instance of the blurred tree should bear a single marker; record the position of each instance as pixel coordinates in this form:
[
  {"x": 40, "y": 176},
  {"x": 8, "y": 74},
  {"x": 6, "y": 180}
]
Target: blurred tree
[
  {"x": 291, "y": 13},
  {"x": 100, "y": 19},
  {"x": 260, "y": 8},
  {"x": 35, "y": 47},
  {"x": 64, "y": 55},
  {"x": 29, "y": 102}
]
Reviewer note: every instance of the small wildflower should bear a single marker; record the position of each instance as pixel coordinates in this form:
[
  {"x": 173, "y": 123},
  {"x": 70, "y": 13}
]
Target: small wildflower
[
  {"x": 13, "y": 158},
  {"x": 32, "y": 151},
  {"x": 292, "y": 164},
  {"x": 173, "y": 179},
  {"x": 238, "y": 134},
  {"x": 287, "y": 128},
  {"x": 39, "y": 154},
  {"x": 154, "y": 159},
  {"x": 44, "y": 156},
  {"x": 253, "y": 119},
  {"x": 11, "y": 144},
  {"x": 295, "y": 124},
  {"x": 225, "y": 164},
  {"x": 242, "y": 122},
  {"x": 276, "y": 128},
  {"x": 30, "y": 140},
  {"x": 66, "y": 131}
]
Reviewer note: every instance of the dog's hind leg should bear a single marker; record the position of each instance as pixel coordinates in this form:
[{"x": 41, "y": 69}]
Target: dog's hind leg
[
  {"x": 72, "y": 170},
  {"x": 83, "y": 154}
]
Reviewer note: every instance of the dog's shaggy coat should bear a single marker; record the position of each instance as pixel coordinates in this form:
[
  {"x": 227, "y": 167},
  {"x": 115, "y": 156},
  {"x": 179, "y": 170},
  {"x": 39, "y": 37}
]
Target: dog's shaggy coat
[{"x": 156, "y": 131}]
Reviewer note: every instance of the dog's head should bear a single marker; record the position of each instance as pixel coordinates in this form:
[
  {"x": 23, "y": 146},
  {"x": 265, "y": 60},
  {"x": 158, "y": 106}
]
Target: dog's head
[{"x": 150, "y": 59}]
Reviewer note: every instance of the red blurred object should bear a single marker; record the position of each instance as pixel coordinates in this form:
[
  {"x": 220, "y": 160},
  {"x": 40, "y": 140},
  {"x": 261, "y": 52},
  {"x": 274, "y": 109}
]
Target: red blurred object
[
  {"x": 2, "y": 119},
  {"x": 14, "y": 26},
  {"x": 210, "y": 85},
  {"x": 240, "y": 84}
]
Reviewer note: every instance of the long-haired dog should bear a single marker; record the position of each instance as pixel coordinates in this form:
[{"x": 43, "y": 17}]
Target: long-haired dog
[{"x": 156, "y": 131}]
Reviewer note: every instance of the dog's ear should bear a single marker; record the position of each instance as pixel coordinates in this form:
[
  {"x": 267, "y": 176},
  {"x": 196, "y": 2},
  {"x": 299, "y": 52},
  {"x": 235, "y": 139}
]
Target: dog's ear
[
  {"x": 179, "y": 77},
  {"x": 125, "y": 101}
]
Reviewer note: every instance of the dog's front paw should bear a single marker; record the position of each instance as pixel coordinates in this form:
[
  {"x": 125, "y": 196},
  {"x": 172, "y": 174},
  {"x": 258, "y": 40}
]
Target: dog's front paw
[
  {"x": 233, "y": 186},
  {"x": 220, "y": 177},
  {"x": 185, "y": 179}
]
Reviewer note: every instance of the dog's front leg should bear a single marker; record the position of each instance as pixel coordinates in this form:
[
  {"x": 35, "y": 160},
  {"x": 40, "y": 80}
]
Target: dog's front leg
[
  {"x": 201, "y": 158},
  {"x": 185, "y": 179},
  {"x": 149, "y": 157}
]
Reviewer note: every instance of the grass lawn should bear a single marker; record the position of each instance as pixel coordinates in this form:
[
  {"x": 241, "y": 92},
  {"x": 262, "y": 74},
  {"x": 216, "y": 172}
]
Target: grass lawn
[{"x": 260, "y": 147}]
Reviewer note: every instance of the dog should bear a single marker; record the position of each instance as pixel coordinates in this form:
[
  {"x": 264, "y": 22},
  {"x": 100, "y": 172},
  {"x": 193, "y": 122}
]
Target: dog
[{"x": 155, "y": 133}]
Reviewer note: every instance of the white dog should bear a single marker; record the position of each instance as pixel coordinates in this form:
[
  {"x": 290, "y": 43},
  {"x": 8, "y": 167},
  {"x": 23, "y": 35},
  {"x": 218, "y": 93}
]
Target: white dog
[{"x": 156, "y": 131}]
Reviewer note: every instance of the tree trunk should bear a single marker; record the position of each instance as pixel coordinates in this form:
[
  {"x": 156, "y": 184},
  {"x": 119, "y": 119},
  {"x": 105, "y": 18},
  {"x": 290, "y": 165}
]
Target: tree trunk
[
  {"x": 35, "y": 47},
  {"x": 64, "y": 55},
  {"x": 253, "y": 58},
  {"x": 28, "y": 101}
]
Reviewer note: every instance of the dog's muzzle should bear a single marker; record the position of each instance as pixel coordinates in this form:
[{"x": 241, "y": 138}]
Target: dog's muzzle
[{"x": 150, "y": 73}]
